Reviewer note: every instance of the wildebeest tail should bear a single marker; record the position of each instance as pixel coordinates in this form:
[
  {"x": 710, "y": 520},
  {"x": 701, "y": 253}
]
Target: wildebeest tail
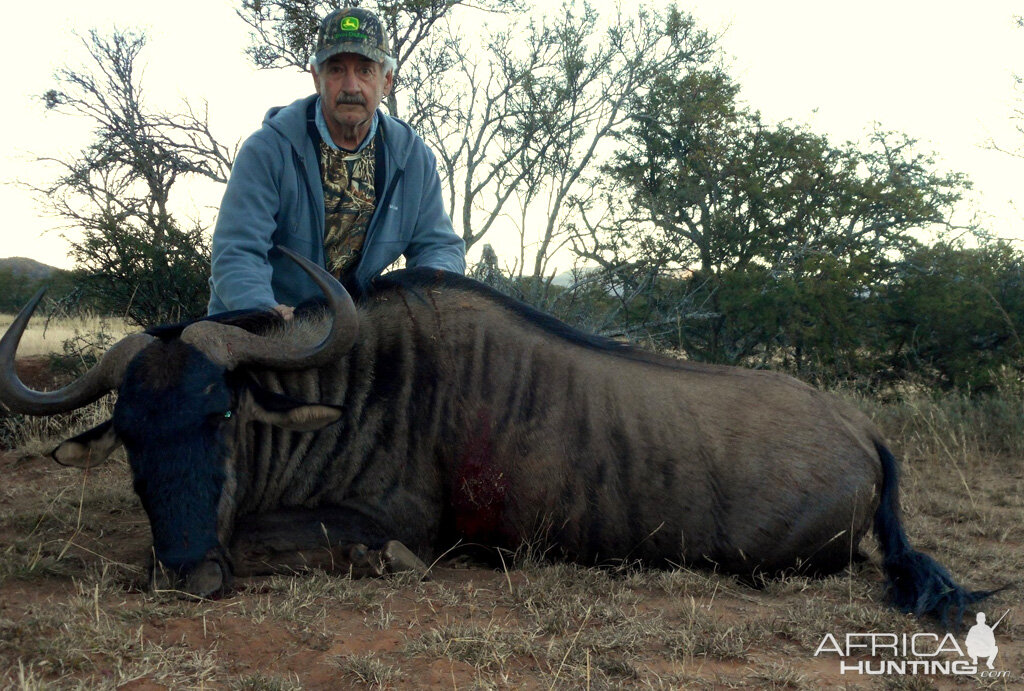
[{"x": 917, "y": 583}]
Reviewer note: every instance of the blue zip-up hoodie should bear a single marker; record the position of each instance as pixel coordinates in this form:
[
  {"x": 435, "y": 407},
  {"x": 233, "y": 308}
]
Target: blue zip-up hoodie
[{"x": 275, "y": 197}]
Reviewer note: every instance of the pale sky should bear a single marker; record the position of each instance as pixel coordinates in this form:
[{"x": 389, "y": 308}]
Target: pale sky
[{"x": 940, "y": 72}]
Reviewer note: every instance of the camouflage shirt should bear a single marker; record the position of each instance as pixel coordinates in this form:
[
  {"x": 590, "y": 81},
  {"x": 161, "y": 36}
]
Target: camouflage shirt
[{"x": 349, "y": 201}]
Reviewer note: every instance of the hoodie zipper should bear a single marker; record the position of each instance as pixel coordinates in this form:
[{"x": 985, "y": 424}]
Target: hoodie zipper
[{"x": 319, "y": 244}]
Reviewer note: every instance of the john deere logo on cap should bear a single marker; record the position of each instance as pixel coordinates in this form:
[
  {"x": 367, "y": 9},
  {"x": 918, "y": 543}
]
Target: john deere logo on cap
[{"x": 350, "y": 23}]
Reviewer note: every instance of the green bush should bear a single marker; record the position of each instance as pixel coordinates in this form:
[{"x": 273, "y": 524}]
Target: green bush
[
  {"x": 123, "y": 272},
  {"x": 956, "y": 314}
]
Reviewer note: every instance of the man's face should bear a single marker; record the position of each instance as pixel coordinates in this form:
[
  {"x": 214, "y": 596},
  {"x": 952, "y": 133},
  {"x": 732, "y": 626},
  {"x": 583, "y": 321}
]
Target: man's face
[{"x": 351, "y": 87}]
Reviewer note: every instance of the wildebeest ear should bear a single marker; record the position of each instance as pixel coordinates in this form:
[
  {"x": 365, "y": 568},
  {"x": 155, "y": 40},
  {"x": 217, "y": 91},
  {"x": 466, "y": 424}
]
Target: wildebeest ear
[
  {"x": 284, "y": 411},
  {"x": 88, "y": 449}
]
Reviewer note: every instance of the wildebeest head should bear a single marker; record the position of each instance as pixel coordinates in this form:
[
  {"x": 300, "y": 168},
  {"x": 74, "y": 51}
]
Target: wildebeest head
[{"x": 182, "y": 402}]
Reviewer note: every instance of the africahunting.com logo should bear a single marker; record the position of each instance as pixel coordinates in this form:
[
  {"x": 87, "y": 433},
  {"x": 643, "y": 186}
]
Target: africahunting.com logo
[{"x": 918, "y": 653}]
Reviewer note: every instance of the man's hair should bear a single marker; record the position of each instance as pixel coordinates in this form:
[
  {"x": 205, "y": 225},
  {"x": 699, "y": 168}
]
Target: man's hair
[{"x": 389, "y": 64}]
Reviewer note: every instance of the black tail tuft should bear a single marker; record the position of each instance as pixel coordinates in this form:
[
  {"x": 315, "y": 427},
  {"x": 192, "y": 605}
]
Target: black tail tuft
[{"x": 917, "y": 583}]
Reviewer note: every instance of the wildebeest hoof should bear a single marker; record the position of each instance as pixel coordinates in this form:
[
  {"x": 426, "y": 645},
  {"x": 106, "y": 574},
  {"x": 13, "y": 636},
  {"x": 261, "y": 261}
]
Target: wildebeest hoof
[
  {"x": 359, "y": 555},
  {"x": 394, "y": 557},
  {"x": 364, "y": 562},
  {"x": 205, "y": 580},
  {"x": 398, "y": 558}
]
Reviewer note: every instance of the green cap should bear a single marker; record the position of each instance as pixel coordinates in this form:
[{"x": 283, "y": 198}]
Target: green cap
[{"x": 351, "y": 30}]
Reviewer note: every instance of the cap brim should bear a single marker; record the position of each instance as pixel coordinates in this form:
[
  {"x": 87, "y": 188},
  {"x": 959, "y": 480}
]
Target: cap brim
[{"x": 358, "y": 48}]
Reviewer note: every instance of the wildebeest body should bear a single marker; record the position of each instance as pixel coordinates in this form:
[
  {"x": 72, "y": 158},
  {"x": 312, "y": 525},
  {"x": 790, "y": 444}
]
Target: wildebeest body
[
  {"x": 463, "y": 420},
  {"x": 441, "y": 412}
]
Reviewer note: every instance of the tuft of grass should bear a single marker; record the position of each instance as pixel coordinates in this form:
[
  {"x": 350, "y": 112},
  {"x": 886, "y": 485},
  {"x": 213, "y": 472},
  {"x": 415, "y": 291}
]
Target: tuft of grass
[
  {"x": 485, "y": 647},
  {"x": 300, "y": 599},
  {"x": 54, "y": 534},
  {"x": 779, "y": 675},
  {"x": 370, "y": 670},
  {"x": 556, "y": 598},
  {"x": 702, "y": 634},
  {"x": 27, "y": 678},
  {"x": 263, "y": 682},
  {"x": 907, "y": 683},
  {"x": 684, "y": 582}
]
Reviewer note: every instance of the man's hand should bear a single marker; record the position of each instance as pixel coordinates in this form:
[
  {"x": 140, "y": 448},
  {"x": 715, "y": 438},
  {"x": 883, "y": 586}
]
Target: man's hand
[{"x": 286, "y": 311}]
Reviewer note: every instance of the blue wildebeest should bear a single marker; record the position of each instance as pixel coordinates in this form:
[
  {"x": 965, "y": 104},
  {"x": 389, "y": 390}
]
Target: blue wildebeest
[{"x": 439, "y": 411}]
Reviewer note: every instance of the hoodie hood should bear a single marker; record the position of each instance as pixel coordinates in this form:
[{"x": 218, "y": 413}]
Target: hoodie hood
[{"x": 275, "y": 197}]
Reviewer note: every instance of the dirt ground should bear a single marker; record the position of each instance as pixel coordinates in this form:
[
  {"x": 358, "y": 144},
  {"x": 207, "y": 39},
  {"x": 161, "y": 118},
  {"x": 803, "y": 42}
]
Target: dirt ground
[{"x": 74, "y": 612}]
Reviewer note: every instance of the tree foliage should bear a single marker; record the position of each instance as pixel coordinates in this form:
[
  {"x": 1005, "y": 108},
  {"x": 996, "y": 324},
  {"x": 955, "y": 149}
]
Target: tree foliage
[
  {"x": 124, "y": 272},
  {"x": 720, "y": 188},
  {"x": 16, "y": 289},
  {"x": 954, "y": 316},
  {"x": 746, "y": 242},
  {"x": 534, "y": 108},
  {"x": 135, "y": 259}
]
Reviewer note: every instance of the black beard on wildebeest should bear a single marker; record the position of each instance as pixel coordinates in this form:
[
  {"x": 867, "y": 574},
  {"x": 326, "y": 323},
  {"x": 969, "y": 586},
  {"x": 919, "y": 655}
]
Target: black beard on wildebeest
[{"x": 440, "y": 411}]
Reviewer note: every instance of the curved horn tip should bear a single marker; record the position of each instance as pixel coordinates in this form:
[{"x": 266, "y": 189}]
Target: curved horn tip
[
  {"x": 17, "y": 326},
  {"x": 9, "y": 343},
  {"x": 101, "y": 378},
  {"x": 292, "y": 254},
  {"x": 36, "y": 298}
]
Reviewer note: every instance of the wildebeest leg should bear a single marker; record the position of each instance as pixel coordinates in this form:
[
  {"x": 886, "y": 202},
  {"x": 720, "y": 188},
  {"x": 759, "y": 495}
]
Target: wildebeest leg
[{"x": 339, "y": 539}]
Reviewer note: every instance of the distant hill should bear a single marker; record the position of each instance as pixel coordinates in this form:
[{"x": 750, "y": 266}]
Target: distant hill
[{"x": 27, "y": 268}]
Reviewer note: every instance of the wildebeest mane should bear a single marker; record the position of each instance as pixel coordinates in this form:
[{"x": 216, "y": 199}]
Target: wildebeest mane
[
  {"x": 422, "y": 279},
  {"x": 416, "y": 282},
  {"x": 256, "y": 321}
]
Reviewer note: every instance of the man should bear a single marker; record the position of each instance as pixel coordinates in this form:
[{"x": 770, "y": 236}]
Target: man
[
  {"x": 981, "y": 641},
  {"x": 334, "y": 179}
]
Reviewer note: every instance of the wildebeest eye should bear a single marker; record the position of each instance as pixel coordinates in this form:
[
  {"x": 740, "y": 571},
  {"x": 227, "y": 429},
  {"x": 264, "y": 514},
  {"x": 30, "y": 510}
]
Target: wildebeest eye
[{"x": 219, "y": 417}]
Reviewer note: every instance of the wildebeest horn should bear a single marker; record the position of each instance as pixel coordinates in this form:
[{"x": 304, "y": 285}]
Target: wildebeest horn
[
  {"x": 231, "y": 346},
  {"x": 105, "y": 376}
]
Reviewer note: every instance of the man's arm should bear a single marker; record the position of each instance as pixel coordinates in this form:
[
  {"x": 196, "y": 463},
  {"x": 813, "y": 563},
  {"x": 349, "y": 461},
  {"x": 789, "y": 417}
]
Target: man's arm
[
  {"x": 245, "y": 227},
  {"x": 434, "y": 242}
]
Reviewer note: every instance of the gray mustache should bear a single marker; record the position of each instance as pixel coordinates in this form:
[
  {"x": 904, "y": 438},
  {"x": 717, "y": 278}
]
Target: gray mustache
[{"x": 354, "y": 100}]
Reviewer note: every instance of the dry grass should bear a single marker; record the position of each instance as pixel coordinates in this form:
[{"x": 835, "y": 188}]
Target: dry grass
[
  {"x": 72, "y": 614},
  {"x": 43, "y": 337},
  {"x": 36, "y": 436},
  {"x": 369, "y": 670}
]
